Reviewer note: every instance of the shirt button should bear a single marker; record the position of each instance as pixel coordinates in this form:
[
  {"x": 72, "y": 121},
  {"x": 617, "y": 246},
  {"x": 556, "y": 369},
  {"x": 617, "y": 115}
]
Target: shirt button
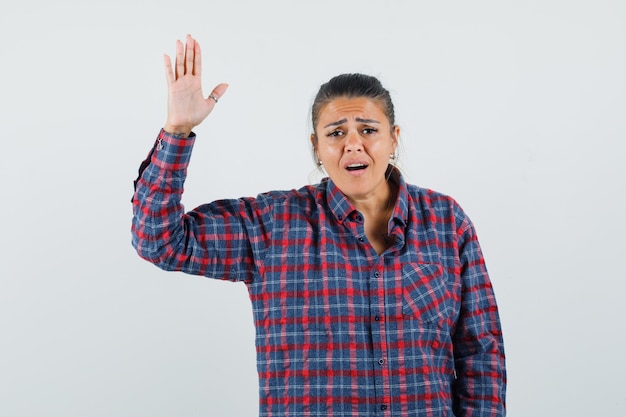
[
  {"x": 376, "y": 274},
  {"x": 381, "y": 361},
  {"x": 361, "y": 239},
  {"x": 377, "y": 318},
  {"x": 383, "y": 407}
]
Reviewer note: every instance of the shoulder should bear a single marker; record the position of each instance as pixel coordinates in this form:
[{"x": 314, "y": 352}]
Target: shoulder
[
  {"x": 431, "y": 198},
  {"x": 437, "y": 205},
  {"x": 302, "y": 198}
]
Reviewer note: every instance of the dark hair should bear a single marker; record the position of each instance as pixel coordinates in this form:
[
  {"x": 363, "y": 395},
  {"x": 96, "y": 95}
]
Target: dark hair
[{"x": 352, "y": 86}]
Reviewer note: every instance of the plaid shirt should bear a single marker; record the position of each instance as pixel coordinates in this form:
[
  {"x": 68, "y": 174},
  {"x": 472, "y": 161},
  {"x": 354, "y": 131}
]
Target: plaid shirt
[{"x": 340, "y": 330}]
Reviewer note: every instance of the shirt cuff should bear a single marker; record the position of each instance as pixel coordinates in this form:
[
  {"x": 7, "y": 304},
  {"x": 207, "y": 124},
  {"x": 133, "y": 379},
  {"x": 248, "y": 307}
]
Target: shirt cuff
[{"x": 172, "y": 152}]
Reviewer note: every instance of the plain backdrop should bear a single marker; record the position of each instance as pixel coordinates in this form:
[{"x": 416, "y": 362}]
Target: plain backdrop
[{"x": 516, "y": 109}]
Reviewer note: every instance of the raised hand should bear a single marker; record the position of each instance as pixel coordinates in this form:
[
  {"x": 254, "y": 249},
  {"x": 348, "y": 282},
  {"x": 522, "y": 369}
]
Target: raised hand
[{"x": 186, "y": 105}]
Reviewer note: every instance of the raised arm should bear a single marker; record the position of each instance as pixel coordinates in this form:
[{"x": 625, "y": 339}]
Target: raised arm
[
  {"x": 187, "y": 107},
  {"x": 222, "y": 239}
]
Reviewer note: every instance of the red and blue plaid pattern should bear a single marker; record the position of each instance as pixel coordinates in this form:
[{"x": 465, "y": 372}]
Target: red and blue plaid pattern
[{"x": 340, "y": 331}]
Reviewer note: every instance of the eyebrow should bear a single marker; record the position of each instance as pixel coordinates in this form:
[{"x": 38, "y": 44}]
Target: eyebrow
[{"x": 358, "y": 119}]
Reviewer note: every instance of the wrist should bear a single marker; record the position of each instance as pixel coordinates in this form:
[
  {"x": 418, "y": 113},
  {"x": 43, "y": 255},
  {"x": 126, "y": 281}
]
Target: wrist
[{"x": 178, "y": 131}]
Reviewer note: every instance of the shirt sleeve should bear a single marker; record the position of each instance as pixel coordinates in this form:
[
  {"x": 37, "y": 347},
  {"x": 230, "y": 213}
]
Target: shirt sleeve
[
  {"x": 480, "y": 386},
  {"x": 225, "y": 239}
]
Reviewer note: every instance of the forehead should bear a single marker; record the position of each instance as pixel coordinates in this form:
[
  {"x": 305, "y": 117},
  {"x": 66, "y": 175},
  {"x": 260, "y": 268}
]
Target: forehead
[{"x": 352, "y": 107}]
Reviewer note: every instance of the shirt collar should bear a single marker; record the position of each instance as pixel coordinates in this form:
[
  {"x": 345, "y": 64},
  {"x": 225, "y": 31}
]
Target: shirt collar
[{"x": 342, "y": 208}]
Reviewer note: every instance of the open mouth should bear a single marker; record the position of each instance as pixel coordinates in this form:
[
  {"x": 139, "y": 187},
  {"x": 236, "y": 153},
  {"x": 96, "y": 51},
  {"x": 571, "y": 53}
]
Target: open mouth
[{"x": 356, "y": 167}]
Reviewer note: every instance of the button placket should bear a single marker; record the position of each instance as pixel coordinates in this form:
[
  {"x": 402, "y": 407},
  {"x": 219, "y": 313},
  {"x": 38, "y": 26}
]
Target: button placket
[{"x": 379, "y": 331}]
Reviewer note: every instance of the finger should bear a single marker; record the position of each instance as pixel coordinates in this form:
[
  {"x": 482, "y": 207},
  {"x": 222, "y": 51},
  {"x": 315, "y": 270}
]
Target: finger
[
  {"x": 217, "y": 93},
  {"x": 180, "y": 59},
  {"x": 189, "y": 55},
  {"x": 169, "y": 73},
  {"x": 220, "y": 89},
  {"x": 197, "y": 62}
]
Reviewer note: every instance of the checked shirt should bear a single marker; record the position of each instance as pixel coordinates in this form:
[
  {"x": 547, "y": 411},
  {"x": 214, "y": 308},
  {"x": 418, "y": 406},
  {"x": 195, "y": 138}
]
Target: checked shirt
[{"x": 340, "y": 330}]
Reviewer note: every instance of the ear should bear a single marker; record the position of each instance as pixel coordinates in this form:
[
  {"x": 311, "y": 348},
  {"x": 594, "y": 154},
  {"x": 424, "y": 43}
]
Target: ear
[
  {"x": 314, "y": 141},
  {"x": 395, "y": 137},
  {"x": 316, "y": 155}
]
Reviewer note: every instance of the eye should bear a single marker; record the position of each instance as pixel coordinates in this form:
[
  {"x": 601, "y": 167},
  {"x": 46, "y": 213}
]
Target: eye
[
  {"x": 369, "y": 130},
  {"x": 335, "y": 133}
]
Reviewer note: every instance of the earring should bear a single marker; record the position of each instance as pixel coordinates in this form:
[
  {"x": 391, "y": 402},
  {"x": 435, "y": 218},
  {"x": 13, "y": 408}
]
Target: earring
[{"x": 392, "y": 157}]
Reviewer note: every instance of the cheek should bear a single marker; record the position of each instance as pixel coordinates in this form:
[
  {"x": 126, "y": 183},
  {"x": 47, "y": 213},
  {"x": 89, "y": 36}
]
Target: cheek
[
  {"x": 328, "y": 152},
  {"x": 387, "y": 148}
]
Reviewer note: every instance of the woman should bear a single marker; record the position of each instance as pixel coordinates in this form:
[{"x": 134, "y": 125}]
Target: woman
[{"x": 370, "y": 296}]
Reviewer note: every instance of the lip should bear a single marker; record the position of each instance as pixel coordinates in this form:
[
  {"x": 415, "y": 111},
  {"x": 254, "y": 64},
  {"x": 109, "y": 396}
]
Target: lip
[
  {"x": 357, "y": 172},
  {"x": 353, "y": 162}
]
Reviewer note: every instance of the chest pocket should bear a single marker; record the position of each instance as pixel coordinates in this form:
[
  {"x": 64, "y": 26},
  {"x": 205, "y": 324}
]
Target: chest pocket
[{"x": 426, "y": 294}]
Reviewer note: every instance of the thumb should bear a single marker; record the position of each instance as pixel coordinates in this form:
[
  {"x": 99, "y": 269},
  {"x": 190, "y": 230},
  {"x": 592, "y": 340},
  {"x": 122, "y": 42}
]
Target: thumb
[{"x": 217, "y": 92}]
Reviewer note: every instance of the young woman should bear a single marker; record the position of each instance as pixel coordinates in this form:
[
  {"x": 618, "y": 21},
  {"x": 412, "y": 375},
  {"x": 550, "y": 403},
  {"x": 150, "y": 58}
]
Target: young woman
[{"x": 370, "y": 295}]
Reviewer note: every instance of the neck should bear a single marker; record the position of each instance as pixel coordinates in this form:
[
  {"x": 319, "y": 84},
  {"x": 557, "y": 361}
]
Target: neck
[{"x": 380, "y": 206}]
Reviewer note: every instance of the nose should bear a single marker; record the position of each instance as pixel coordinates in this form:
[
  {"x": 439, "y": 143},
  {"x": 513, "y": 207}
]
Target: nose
[{"x": 353, "y": 142}]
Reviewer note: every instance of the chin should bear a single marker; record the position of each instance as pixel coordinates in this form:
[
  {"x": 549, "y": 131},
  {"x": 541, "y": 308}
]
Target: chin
[{"x": 354, "y": 193}]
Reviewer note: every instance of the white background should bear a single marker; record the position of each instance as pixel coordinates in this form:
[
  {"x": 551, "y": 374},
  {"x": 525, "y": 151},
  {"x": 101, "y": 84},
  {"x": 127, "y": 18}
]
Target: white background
[{"x": 516, "y": 110}]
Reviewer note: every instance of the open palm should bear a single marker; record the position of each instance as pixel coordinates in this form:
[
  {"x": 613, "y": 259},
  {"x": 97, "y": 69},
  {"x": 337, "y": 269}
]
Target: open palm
[{"x": 187, "y": 107}]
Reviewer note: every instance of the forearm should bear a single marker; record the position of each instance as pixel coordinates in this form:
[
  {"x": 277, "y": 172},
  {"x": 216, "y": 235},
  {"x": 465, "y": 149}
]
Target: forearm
[
  {"x": 480, "y": 386},
  {"x": 158, "y": 214}
]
